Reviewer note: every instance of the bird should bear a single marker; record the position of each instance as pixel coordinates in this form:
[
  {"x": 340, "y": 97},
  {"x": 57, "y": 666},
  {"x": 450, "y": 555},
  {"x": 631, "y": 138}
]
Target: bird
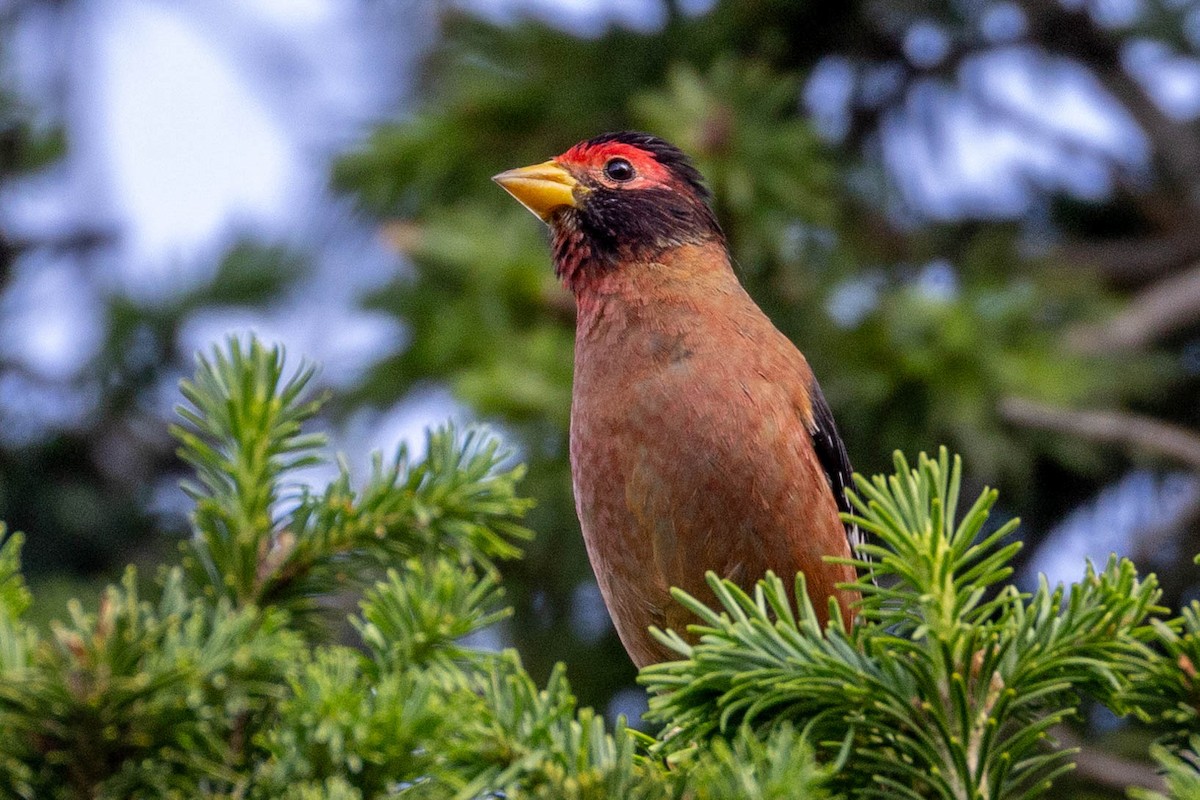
[{"x": 699, "y": 437}]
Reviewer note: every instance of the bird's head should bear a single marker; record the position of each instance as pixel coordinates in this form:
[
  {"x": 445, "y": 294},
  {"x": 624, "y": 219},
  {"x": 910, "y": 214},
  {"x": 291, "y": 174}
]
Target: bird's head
[{"x": 617, "y": 200}]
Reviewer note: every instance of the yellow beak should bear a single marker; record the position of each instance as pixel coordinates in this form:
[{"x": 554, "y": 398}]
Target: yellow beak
[{"x": 541, "y": 188}]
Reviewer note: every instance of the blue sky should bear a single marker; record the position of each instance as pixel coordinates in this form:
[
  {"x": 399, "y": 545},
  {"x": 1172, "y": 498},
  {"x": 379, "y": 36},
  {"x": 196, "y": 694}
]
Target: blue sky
[{"x": 191, "y": 126}]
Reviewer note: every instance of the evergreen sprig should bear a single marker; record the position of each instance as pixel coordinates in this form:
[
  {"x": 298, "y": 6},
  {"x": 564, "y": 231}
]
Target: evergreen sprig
[
  {"x": 779, "y": 766},
  {"x": 211, "y": 682},
  {"x": 142, "y": 698},
  {"x": 422, "y": 614},
  {"x": 14, "y": 595},
  {"x": 1168, "y": 690},
  {"x": 15, "y": 640},
  {"x": 534, "y": 743},
  {"x": 1181, "y": 773},
  {"x": 948, "y": 685},
  {"x": 263, "y": 538},
  {"x": 243, "y": 435},
  {"x": 342, "y": 719}
]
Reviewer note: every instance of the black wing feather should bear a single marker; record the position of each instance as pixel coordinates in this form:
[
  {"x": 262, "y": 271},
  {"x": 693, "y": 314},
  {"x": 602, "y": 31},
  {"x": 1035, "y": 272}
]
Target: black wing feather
[{"x": 831, "y": 452}]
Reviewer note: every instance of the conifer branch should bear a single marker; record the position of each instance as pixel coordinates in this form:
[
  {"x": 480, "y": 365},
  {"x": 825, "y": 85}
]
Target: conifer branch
[
  {"x": 243, "y": 434},
  {"x": 260, "y": 538},
  {"x": 944, "y": 688},
  {"x": 949, "y": 684}
]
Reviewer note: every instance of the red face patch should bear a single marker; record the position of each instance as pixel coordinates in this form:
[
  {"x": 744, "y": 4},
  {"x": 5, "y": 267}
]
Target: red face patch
[{"x": 594, "y": 158}]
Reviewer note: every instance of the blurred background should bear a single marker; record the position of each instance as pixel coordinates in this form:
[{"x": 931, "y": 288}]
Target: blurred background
[{"x": 980, "y": 220}]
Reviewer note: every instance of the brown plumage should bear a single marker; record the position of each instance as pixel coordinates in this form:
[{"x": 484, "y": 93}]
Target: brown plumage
[{"x": 699, "y": 437}]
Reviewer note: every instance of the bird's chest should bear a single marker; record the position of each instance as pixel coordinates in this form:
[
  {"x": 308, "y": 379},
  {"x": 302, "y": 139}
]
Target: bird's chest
[
  {"x": 647, "y": 402},
  {"x": 672, "y": 437}
]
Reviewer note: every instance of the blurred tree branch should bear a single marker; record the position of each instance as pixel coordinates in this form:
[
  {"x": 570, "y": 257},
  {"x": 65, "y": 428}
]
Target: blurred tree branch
[
  {"x": 1166, "y": 307},
  {"x": 77, "y": 239},
  {"x": 1105, "y": 769},
  {"x": 1057, "y": 32},
  {"x": 1115, "y": 427},
  {"x": 1132, "y": 261}
]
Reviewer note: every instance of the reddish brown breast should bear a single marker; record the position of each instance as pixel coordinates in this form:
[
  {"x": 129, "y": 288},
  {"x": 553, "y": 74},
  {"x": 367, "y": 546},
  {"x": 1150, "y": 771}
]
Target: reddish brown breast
[{"x": 690, "y": 444}]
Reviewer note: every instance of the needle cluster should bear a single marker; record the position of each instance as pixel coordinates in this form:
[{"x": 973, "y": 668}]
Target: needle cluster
[{"x": 223, "y": 677}]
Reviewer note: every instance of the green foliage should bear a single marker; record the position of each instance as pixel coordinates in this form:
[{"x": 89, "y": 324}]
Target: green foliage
[
  {"x": 245, "y": 435},
  {"x": 14, "y": 596},
  {"x": 948, "y": 686},
  {"x": 261, "y": 540},
  {"x": 421, "y": 614},
  {"x": 1181, "y": 773},
  {"x": 1168, "y": 691},
  {"x": 533, "y": 743},
  {"x": 141, "y": 698},
  {"x": 214, "y": 681},
  {"x": 223, "y": 682},
  {"x": 340, "y": 720},
  {"x": 915, "y": 329},
  {"x": 777, "y": 767}
]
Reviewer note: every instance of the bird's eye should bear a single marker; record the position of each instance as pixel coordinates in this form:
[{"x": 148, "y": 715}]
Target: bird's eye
[{"x": 618, "y": 169}]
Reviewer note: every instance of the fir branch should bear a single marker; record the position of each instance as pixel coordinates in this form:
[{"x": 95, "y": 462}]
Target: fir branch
[
  {"x": 17, "y": 642},
  {"x": 780, "y": 766},
  {"x": 420, "y": 614},
  {"x": 243, "y": 435},
  {"x": 1181, "y": 773},
  {"x": 14, "y": 595},
  {"x": 16, "y": 639},
  {"x": 1166, "y": 689},
  {"x": 342, "y": 720},
  {"x": 941, "y": 690},
  {"x": 532, "y": 743},
  {"x": 456, "y": 502},
  {"x": 143, "y": 699}
]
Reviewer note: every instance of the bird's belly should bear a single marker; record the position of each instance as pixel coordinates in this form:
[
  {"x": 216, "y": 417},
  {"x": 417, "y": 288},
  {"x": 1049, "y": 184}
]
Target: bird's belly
[{"x": 675, "y": 476}]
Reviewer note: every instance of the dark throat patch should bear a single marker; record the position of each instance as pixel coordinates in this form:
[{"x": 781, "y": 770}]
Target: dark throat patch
[{"x": 615, "y": 226}]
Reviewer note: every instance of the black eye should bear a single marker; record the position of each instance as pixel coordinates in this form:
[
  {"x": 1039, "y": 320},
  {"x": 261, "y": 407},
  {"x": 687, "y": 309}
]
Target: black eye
[{"x": 618, "y": 169}]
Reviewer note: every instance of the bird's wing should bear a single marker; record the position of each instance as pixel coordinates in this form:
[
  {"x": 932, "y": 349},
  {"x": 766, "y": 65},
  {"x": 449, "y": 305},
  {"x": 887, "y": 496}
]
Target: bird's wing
[{"x": 831, "y": 452}]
